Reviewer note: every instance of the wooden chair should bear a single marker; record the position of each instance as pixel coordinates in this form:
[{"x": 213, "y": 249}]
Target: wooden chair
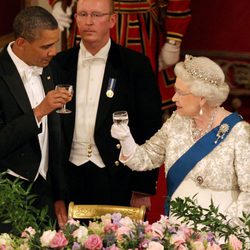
[{"x": 96, "y": 211}]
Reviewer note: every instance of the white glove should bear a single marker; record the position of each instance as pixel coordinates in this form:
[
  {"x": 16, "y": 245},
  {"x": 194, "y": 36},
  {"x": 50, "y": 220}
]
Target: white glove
[
  {"x": 63, "y": 18},
  {"x": 122, "y": 133},
  {"x": 170, "y": 55}
]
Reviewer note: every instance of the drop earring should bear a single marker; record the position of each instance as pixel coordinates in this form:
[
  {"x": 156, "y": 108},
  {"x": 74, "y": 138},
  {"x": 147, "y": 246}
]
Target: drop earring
[{"x": 201, "y": 111}]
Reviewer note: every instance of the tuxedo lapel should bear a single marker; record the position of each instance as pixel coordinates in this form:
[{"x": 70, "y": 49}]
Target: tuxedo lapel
[
  {"x": 112, "y": 70},
  {"x": 47, "y": 80},
  {"x": 70, "y": 68},
  {"x": 14, "y": 82}
]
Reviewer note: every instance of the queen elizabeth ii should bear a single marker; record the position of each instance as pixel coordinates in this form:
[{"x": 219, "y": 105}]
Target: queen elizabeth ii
[{"x": 204, "y": 147}]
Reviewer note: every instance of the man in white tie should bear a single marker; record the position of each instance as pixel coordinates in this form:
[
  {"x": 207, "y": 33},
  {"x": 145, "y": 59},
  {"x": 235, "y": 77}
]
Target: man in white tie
[
  {"x": 107, "y": 78},
  {"x": 30, "y": 136}
]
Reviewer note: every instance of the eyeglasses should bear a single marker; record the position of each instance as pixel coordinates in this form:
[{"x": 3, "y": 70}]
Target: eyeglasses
[
  {"x": 94, "y": 15},
  {"x": 181, "y": 93}
]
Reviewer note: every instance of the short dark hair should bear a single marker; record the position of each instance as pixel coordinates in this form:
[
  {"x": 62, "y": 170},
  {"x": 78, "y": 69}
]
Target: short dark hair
[{"x": 31, "y": 20}]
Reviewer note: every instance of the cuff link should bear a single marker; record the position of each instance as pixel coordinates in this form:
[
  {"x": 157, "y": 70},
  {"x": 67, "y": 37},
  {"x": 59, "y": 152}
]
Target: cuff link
[{"x": 174, "y": 42}]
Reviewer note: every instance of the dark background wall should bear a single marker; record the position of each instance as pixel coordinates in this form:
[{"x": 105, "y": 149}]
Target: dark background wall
[
  {"x": 8, "y": 11},
  {"x": 220, "y": 29},
  {"x": 219, "y": 25}
]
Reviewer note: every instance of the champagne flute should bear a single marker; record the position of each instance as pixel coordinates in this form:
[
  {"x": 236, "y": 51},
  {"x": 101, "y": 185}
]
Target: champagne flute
[
  {"x": 120, "y": 117},
  {"x": 69, "y": 88}
]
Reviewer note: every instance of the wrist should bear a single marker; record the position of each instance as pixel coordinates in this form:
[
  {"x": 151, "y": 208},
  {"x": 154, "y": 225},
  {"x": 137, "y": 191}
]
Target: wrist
[{"x": 38, "y": 114}]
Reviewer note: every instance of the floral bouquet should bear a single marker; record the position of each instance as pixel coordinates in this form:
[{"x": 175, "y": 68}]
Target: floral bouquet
[
  {"x": 113, "y": 232},
  {"x": 200, "y": 229}
]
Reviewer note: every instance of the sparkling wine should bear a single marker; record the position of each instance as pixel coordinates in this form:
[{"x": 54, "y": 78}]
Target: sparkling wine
[
  {"x": 120, "y": 120},
  {"x": 69, "y": 88},
  {"x": 120, "y": 117}
]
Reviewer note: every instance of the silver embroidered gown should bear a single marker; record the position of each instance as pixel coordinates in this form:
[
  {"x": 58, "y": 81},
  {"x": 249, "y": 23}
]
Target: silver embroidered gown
[{"x": 223, "y": 175}]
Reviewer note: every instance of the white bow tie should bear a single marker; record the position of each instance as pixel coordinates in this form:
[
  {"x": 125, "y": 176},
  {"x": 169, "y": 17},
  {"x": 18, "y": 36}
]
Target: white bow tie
[
  {"x": 92, "y": 58},
  {"x": 32, "y": 71}
]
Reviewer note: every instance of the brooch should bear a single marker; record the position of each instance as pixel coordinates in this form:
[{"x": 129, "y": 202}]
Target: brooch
[
  {"x": 224, "y": 128},
  {"x": 111, "y": 87}
]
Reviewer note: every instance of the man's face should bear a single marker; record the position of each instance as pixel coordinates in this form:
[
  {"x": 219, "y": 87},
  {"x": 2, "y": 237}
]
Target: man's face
[
  {"x": 40, "y": 51},
  {"x": 94, "y": 20}
]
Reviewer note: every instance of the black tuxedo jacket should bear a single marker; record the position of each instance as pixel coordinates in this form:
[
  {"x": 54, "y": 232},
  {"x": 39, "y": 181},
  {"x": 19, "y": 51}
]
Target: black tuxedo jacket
[
  {"x": 19, "y": 144},
  {"x": 135, "y": 91}
]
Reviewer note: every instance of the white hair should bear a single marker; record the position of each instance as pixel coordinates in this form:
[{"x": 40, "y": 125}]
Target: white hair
[{"x": 204, "y": 78}]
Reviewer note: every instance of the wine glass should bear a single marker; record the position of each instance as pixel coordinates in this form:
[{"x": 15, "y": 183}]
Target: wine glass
[
  {"x": 69, "y": 88},
  {"x": 120, "y": 117}
]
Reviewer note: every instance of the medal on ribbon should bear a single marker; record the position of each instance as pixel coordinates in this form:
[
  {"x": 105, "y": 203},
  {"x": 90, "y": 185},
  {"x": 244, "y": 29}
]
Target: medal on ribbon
[{"x": 111, "y": 87}]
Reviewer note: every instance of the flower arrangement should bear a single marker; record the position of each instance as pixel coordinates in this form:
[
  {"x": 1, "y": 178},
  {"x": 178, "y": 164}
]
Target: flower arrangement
[
  {"x": 113, "y": 232},
  {"x": 200, "y": 229}
]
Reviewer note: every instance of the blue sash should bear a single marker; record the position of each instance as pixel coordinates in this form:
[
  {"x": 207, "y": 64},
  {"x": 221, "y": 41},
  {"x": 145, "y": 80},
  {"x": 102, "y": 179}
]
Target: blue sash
[{"x": 200, "y": 149}]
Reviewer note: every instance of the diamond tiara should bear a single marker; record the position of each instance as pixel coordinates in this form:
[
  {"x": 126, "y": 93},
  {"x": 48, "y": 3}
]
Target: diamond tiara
[{"x": 192, "y": 67}]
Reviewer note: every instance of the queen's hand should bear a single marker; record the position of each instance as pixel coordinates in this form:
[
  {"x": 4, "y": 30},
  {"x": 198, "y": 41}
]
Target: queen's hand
[{"x": 122, "y": 133}]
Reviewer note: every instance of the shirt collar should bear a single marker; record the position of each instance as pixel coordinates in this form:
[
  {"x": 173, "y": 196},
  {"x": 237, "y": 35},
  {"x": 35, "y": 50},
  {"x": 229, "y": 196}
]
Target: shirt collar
[
  {"x": 21, "y": 66},
  {"x": 101, "y": 54}
]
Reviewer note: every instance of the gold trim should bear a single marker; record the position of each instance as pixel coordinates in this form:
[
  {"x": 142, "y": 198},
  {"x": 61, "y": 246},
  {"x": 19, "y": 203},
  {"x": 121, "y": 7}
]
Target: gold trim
[{"x": 96, "y": 211}]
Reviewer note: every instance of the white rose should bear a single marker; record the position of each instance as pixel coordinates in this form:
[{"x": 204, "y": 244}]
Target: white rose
[
  {"x": 127, "y": 222},
  {"x": 47, "y": 237},
  {"x": 81, "y": 234},
  {"x": 5, "y": 241}
]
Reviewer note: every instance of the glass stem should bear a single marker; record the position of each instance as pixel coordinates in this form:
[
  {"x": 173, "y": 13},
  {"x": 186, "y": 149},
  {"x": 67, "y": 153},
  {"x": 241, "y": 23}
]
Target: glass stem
[{"x": 64, "y": 107}]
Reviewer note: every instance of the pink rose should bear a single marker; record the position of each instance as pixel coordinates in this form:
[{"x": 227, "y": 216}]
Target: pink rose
[
  {"x": 28, "y": 232},
  {"x": 234, "y": 242},
  {"x": 93, "y": 242},
  {"x": 121, "y": 231},
  {"x": 3, "y": 247},
  {"x": 59, "y": 240},
  {"x": 110, "y": 228}
]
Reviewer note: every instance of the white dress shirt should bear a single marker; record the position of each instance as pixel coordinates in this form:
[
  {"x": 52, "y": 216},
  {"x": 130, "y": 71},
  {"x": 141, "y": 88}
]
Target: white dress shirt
[
  {"x": 90, "y": 71},
  {"x": 30, "y": 76}
]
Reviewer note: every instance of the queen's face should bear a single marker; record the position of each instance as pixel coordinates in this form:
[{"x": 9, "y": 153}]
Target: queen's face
[{"x": 186, "y": 103}]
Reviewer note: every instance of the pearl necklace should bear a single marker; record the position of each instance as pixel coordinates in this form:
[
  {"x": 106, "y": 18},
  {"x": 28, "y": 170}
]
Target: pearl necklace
[{"x": 197, "y": 133}]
